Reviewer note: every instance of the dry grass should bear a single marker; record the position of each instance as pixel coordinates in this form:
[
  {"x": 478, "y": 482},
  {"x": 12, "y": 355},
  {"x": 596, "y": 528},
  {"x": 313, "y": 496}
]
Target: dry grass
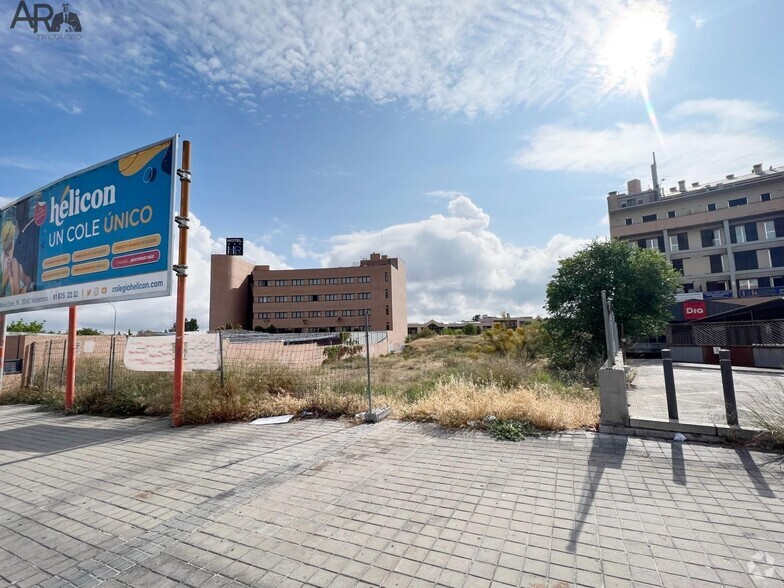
[
  {"x": 445, "y": 379},
  {"x": 455, "y": 403}
]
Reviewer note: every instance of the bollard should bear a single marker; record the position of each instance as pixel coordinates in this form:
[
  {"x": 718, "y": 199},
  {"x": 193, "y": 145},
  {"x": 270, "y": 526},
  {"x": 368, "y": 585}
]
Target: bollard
[
  {"x": 729, "y": 387},
  {"x": 669, "y": 385}
]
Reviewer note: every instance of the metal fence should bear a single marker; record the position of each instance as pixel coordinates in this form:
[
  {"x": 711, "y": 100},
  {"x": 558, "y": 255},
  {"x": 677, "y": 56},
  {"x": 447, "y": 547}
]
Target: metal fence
[
  {"x": 727, "y": 334},
  {"x": 295, "y": 364}
]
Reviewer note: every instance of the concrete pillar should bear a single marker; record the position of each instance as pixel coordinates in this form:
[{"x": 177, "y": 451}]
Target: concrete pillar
[{"x": 613, "y": 398}]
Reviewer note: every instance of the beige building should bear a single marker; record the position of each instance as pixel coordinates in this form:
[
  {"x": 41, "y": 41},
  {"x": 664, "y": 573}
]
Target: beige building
[
  {"x": 310, "y": 300},
  {"x": 726, "y": 236}
]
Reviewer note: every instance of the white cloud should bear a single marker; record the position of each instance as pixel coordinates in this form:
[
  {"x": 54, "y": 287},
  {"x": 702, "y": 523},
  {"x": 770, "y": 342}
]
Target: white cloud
[
  {"x": 474, "y": 57},
  {"x": 444, "y": 194},
  {"x": 158, "y": 313},
  {"x": 457, "y": 267},
  {"x": 703, "y": 140}
]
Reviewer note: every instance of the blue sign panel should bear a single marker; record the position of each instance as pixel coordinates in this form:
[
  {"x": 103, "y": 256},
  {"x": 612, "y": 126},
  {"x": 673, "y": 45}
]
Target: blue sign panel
[
  {"x": 760, "y": 292},
  {"x": 717, "y": 294},
  {"x": 101, "y": 234}
]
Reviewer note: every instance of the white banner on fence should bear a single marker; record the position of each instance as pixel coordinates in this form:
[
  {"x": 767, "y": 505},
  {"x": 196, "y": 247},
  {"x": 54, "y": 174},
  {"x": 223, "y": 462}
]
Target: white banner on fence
[{"x": 156, "y": 354}]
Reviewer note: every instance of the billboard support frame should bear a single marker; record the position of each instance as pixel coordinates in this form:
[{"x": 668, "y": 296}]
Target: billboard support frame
[
  {"x": 70, "y": 378},
  {"x": 181, "y": 269}
]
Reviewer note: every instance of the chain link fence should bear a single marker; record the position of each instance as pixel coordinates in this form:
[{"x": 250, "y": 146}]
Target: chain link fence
[
  {"x": 291, "y": 365},
  {"x": 727, "y": 334}
]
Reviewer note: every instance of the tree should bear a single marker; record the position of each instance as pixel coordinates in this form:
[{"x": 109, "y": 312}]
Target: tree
[
  {"x": 640, "y": 282},
  {"x": 88, "y": 331},
  {"x": 20, "y": 326},
  {"x": 190, "y": 325}
]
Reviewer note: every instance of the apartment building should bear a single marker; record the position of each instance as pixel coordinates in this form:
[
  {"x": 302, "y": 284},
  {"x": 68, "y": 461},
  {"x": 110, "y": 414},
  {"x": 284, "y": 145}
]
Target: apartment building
[
  {"x": 726, "y": 237},
  {"x": 311, "y": 300}
]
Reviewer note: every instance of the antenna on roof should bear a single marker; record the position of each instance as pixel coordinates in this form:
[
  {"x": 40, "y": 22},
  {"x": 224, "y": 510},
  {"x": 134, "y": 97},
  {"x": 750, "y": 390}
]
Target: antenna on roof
[{"x": 655, "y": 176}]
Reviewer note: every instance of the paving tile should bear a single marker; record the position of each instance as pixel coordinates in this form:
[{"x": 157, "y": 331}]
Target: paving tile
[{"x": 396, "y": 504}]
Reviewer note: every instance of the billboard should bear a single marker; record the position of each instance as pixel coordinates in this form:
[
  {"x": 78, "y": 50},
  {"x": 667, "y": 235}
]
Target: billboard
[{"x": 100, "y": 234}]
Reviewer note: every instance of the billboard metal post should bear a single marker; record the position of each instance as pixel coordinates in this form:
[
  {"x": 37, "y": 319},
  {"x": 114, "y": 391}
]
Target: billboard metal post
[
  {"x": 2, "y": 351},
  {"x": 70, "y": 378},
  {"x": 181, "y": 269}
]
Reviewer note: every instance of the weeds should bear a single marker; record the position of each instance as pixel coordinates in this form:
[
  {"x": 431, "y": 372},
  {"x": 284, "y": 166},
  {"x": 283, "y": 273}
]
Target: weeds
[
  {"x": 768, "y": 414},
  {"x": 446, "y": 379},
  {"x": 513, "y": 430}
]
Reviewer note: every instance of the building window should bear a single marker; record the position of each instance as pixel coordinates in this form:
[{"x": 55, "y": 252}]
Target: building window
[
  {"x": 679, "y": 242},
  {"x": 715, "y": 286},
  {"x": 314, "y": 313},
  {"x": 671, "y": 214},
  {"x": 297, "y": 314},
  {"x": 677, "y": 264},
  {"x": 738, "y": 202},
  {"x": 628, "y": 221},
  {"x": 655, "y": 243},
  {"x": 330, "y": 313},
  {"x": 711, "y": 207},
  {"x": 348, "y": 297},
  {"x": 330, "y": 281},
  {"x": 711, "y": 237},
  {"x": 314, "y": 281},
  {"x": 363, "y": 312},
  {"x": 387, "y": 310},
  {"x": 776, "y": 256},
  {"x": 770, "y": 229},
  {"x": 748, "y": 284},
  {"x": 298, "y": 298},
  {"x": 280, "y": 315},
  {"x": 347, "y": 280},
  {"x": 297, "y": 282},
  {"x": 364, "y": 279},
  {"x": 262, "y": 283},
  {"x": 386, "y": 276},
  {"x": 329, "y": 297},
  {"x": 280, "y": 282},
  {"x": 648, "y": 218},
  {"x": 386, "y": 293},
  {"x": 280, "y": 299},
  {"x": 746, "y": 260},
  {"x": 364, "y": 295},
  {"x": 765, "y": 197},
  {"x": 717, "y": 264},
  {"x": 348, "y": 313},
  {"x": 314, "y": 298},
  {"x": 264, "y": 315},
  {"x": 265, "y": 299},
  {"x": 744, "y": 233}
]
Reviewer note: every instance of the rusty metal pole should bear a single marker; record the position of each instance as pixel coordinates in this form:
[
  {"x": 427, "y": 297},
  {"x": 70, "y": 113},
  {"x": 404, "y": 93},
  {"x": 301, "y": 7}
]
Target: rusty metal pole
[
  {"x": 70, "y": 377},
  {"x": 181, "y": 269}
]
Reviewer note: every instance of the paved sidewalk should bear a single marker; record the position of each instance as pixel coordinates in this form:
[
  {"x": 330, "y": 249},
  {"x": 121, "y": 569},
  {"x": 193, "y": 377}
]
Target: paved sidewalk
[{"x": 86, "y": 501}]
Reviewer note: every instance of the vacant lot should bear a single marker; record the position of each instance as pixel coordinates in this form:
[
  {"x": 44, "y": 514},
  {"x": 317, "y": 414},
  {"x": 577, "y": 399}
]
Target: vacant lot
[{"x": 452, "y": 380}]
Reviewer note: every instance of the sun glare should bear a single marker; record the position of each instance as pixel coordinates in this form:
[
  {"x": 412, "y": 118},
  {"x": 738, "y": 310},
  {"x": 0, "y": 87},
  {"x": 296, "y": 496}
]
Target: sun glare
[{"x": 636, "y": 44}]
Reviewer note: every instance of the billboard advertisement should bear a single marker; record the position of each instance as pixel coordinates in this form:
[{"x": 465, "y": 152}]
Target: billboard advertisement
[{"x": 100, "y": 234}]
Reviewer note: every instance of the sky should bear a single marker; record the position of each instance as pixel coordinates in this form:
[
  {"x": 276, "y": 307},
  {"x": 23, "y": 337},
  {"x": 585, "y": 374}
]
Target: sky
[{"x": 475, "y": 139}]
